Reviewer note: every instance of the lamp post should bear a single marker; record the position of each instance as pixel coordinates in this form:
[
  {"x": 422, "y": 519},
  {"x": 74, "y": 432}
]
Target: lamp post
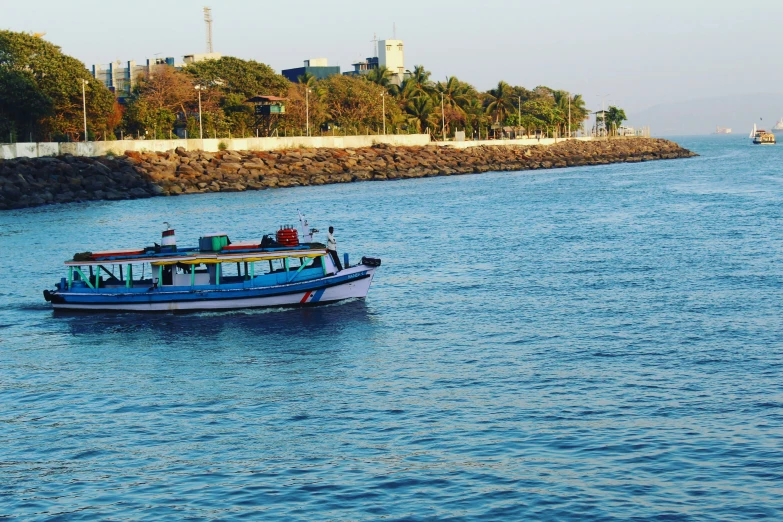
[
  {"x": 84, "y": 107},
  {"x": 383, "y": 111},
  {"x": 443, "y": 116},
  {"x": 307, "y": 102},
  {"x": 200, "y": 88}
]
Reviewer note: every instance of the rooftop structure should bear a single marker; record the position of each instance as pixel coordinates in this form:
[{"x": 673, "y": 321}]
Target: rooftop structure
[
  {"x": 318, "y": 67},
  {"x": 193, "y": 58},
  {"x": 363, "y": 67}
]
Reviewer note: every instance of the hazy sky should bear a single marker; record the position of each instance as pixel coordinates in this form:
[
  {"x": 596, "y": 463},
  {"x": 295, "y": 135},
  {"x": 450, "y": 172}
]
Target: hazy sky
[{"x": 640, "y": 53}]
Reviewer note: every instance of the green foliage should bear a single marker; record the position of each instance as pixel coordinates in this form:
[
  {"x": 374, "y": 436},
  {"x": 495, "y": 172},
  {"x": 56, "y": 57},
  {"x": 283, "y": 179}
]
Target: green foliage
[
  {"x": 353, "y": 102},
  {"x": 50, "y": 86},
  {"x": 500, "y": 101},
  {"x": 40, "y": 93},
  {"x": 22, "y": 105},
  {"x": 230, "y": 75},
  {"x": 614, "y": 118},
  {"x": 222, "y": 145},
  {"x": 381, "y": 76}
]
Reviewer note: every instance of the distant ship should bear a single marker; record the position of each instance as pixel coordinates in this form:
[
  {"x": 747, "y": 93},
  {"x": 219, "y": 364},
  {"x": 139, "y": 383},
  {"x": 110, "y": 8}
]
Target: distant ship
[
  {"x": 727, "y": 130},
  {"x": 778, "y": 126},
  {"x": 762, "y": 137}
]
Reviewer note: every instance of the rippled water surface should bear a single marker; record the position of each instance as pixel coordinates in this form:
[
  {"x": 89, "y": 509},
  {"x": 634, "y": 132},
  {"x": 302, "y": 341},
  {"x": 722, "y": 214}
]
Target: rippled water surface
[{"x": 596, "y": 343}]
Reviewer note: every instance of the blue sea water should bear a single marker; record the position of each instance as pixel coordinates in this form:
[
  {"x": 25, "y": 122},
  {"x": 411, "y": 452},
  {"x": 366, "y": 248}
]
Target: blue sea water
[{"x": 599, "y": 343}]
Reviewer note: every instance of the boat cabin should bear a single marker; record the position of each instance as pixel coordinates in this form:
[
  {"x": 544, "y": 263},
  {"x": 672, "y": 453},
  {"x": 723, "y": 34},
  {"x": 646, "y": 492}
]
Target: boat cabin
[{"x": 197, "y": 270}]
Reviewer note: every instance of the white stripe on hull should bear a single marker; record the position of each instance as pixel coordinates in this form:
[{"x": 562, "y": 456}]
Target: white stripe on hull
[{"x": 350, "y": 290}]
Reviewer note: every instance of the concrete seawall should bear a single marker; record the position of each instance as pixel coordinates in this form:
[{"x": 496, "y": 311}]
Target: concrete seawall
[
  {"x": 93, "y": 149},
  {"x": 28, "y": 182}
]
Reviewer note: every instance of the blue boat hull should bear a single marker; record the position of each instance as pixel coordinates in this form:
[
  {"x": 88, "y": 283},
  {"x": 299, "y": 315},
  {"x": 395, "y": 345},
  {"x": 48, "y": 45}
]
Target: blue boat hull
[{"x": 348, "y": 284}]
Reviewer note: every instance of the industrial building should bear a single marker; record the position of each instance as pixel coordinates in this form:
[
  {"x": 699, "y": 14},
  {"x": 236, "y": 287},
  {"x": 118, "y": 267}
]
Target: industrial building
[
  {"x": 318, "y": 67},
  {"x": 121, "y": 78}
]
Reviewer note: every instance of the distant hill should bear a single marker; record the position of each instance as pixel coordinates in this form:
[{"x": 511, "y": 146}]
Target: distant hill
[{"x": 703, "y": 115}]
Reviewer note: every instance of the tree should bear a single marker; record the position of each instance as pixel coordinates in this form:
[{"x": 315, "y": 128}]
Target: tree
[
  {"x": 499, "y": 101},
  {"x": 419, "y": 83},
  {"x": 614, "y": 118},
  {"x": 22, "y": 105},
  {"x": 295, "y": 120},
  {"x": 381, "y": 76},
  {"x": 160, "y": 98},
  {"x": 51, "y": 84},
  {"x": 420, "y": 110},
  {"x": 353, "y": 102},
  {"x": 234, "y": 75},
  {"x": 308, "y": 79},
  {"x": 229, "y": 81},
  {"x": 456, "y": 97}
]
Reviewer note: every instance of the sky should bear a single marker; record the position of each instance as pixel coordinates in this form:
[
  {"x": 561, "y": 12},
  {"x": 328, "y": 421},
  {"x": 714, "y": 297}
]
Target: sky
[{"x": 633, "y": 53}]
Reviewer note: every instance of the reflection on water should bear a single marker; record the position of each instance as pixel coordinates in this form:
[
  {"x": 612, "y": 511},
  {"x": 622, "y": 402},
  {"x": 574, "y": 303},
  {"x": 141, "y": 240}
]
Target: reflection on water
[{"x": 312, "y": 321}]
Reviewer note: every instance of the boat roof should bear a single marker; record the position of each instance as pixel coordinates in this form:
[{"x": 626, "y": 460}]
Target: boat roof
[{"x": 195, "y": 257}]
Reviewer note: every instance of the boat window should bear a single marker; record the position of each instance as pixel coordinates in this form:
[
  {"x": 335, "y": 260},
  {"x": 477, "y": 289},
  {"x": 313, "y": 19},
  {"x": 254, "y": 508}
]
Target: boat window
[{"x": 274, "y": 265}]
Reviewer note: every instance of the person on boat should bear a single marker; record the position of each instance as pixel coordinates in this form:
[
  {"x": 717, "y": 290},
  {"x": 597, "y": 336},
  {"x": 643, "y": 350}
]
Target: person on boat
[{"x": 331, "y": 247}]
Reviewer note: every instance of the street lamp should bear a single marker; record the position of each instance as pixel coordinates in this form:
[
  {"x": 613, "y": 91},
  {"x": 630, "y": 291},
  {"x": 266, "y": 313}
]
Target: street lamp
[
  {"x": 383, "y": 111},
  {"x": 307, "y": 102},
  {"x": 84, "y": 107},
  {"x": 200, "y": 88},
  {"x": 443, "y": 116}
]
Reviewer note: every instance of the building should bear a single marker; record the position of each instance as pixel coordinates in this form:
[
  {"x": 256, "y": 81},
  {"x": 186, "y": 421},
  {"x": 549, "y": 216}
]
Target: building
[
  {"x": 318, "y": 67},
  {"x": 392, "y": 56},
  {"x": 362, "y": 68},
  {"x": 121, "y": 79},
  {"x": 389, "y": 54},
  {"x": 193, "y": 58}
]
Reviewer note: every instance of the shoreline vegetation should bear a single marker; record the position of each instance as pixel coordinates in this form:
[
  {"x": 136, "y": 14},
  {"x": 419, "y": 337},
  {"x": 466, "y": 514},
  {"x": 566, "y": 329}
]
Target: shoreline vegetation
[
  {"x": 44, "y": 95},
  {"x": 32, "y": 182}
]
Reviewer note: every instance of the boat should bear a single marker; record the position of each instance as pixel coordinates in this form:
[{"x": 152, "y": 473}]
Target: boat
[
  {"x": 762, "y": 137},
  {"x": 778, "y": 126},
  {"x": 274, "y": 271},
  {"x": 722, "y": 130}
]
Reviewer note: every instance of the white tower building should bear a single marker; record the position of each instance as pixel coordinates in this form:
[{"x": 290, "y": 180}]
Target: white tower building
[{"x": 391, "y": 54}]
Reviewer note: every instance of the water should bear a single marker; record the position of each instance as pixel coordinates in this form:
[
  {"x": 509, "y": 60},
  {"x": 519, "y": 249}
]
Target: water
[{"x": 597, "y": 343}]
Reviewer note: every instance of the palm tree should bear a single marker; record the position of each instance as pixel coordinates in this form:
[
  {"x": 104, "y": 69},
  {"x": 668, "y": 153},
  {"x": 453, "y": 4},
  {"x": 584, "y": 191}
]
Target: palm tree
[
  {"x": 578, "y": 110},
  {"x": 500, "y": 101},
  {"x": 308, "y": 79},
  {"x": 382, "y": 76},
  {"x": 419, "y": 82},
  {"x": 455, "y": 96},
  {"x": 420, "y": 109},
  {"x": 455, "y": 93},
  {"x": 564, "y": 101},
  {"x": 476, "y": 117}
]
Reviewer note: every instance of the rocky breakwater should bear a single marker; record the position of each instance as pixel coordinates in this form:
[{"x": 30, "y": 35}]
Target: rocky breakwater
[{"x": 30, "y": 182}]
